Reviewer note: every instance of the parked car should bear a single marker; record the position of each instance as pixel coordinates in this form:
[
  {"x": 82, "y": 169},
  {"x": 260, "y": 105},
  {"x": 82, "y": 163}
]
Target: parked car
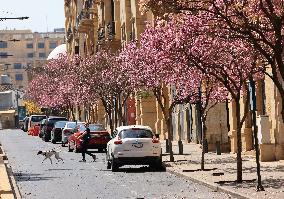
[
  {"x": 99, "y": 138},
  {"x": 56, "y": 132},
  {"x": 25, "y": 123},
  {"x": 33, "y": 121},
  {"x": 133, "y": 145},
  {"x": 68, "y": 130},
  {"x": 49, "y": 124},
  {"x": 41, "y": 128}
]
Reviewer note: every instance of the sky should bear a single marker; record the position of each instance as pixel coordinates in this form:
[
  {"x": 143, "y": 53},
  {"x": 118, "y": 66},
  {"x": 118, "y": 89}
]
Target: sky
[{"x": 44, "y": 15}]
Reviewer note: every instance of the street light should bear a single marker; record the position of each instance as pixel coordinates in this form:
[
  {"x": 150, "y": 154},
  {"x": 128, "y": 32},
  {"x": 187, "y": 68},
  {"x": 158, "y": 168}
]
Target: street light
[{"x": 17, "y": 18}]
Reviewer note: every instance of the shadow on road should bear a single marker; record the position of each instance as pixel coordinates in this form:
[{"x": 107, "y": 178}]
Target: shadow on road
[
  {"x": 59, "y": 169},
  {"x": 142, "y": 169},
  {"x": 31, "y": 177}
]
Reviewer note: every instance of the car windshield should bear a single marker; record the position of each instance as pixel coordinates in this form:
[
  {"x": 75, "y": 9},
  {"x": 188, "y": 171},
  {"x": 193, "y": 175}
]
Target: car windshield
[
  {"x": 37, "y": 118},
  {"x": 51, "y": 121},
  {"x": 136, "y": 133},
  {"x": 93, "y": 127},
  {"x": 60, "y": 124}
]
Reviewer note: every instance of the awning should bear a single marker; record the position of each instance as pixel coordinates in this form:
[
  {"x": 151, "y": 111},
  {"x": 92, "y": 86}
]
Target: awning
[{"x": 7, "y": 112}]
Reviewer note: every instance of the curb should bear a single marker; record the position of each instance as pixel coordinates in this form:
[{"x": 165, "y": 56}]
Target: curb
[
  {"x": 209, "y": 185},
  {"x": 8, "y": 185}
]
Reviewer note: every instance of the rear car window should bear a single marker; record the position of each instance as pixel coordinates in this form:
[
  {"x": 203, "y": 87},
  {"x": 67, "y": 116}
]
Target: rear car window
[
  {"x": 60, "y": 124},
  {"x": 71, "y": 125},
  {"x": 52, "y": 121},
  {"x": 93, "y": 128},
  {"x": 37, "y": 118},
  {"x": 136, "y": 133}
]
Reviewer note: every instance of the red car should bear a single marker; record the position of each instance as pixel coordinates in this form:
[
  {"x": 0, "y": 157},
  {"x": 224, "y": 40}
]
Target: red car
[{"x": 99, "y": 140}]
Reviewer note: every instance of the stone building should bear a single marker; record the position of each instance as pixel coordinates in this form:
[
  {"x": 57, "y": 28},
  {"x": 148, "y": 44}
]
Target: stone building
[
  {"x": 92, "y": 25},
  {"x": 21, "y": 50}
]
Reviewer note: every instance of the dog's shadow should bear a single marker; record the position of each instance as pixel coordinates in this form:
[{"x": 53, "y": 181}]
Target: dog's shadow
[{"x": 19, "y": 176}]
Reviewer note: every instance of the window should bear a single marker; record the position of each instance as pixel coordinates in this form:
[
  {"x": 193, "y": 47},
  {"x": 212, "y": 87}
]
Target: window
[
  {"x": 19, "y": 77},
  {"x": 17, "y": 36},
  {"x": 30, "y": 55},
  {"x": 3, "y": 55},
  {"x": 136, "y": 133},
  {"x": 52, "y": 45},
  {"x": 17, "y": 65},
  {"x": 41, "y": 55},
  {"x": 37, "y": 118},
  {"x": 29, "y": 36},
  {"x": 3, "y": 44},
  {"x": 40, "y": 45},
  {"x": 30, "y": 45}
]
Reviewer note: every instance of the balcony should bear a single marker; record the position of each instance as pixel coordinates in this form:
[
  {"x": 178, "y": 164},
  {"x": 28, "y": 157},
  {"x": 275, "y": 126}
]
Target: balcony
[
  {"x": 84, "y": 21},
  {"x": 69, "y": 35},
  {"x": 67, "y": 3}
]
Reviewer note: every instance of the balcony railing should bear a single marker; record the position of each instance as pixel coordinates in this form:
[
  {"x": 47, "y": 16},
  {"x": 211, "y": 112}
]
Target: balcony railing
[
  {"x": 84, "y": 21},
  {"x": 67, "y": 3},
  {"x": 69, "y": 34}
]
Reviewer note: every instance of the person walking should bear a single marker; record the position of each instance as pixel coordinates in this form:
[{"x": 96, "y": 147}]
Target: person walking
[{"x": 85, "y": 137}]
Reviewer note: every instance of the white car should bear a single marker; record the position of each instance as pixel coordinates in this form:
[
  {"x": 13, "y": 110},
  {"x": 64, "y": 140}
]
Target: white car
[
  {"x": 68, "y": 130},
  {"x": 133, "y": 145}
]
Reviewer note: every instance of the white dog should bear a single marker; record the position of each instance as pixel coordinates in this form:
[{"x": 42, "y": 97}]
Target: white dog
[{"x": 49, "y": 154}]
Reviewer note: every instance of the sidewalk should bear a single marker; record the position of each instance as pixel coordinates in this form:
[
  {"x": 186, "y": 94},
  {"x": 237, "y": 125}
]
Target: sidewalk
[
  {"x": 7, "y": 184},
  {"x": 187, "y": 165}
]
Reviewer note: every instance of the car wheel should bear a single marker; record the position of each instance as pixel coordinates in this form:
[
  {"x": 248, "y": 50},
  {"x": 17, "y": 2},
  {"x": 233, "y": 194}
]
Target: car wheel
[
  {"x": 157, "y": 165},
  {"x": 45, "y": 138},
  {"x": 108, "y": 165},
  {"x": 108, "y": 161},
  {"x": 69, "y": 148},
  {"x": 114, "y": 165},
  {"x": 53, "y": 141}
]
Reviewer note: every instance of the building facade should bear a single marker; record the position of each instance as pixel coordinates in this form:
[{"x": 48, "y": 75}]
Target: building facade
[
  {"x": 92, "y": 25},
  {"x": 21, "y": 50}
]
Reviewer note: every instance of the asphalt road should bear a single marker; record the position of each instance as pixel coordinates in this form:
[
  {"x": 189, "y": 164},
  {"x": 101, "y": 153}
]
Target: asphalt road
[{"x": 74, "y": 179}]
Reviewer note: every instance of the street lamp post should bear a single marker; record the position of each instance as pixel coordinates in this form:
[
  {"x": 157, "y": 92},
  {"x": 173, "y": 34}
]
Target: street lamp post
[{"x": 17, "y": 18}]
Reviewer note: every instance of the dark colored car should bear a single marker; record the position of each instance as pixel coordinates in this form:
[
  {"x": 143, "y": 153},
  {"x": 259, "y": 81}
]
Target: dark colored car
[
  {"x": 99, "y": 138},
  {"x": 56, "y": 132},
  {"x": 49, "y": 126}
]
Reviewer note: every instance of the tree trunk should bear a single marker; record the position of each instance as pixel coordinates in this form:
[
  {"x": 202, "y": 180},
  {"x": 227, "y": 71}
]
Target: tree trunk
[
  {"x": 115, "y": 112},
  {"x": 204, "y": 129},
  {"x": 239, "y": 142},
  {"x": 256, "y": 146},
  {"x": 72, "y": 113},
  {"x": 110, "y": 121},
  {"x": 170, "y": 137}
]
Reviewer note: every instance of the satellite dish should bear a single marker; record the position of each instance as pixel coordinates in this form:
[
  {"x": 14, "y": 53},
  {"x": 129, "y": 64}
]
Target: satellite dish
[{"x": 5, "y": 80}]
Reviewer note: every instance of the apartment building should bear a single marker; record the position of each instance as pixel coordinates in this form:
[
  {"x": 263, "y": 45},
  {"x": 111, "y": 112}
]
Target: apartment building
[{"x": 23, "y": 50}]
